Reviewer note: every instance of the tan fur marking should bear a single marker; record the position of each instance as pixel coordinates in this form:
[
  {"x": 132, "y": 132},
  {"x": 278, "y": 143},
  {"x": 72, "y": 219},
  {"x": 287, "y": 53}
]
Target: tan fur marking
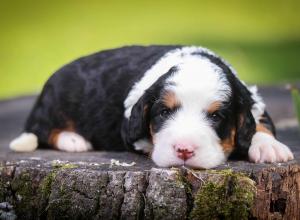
[
  {"x": 262, "y": 128},
  {"x": 170, "y": 100},
  {"x": 228, "y": 144},
  {"x": 215, "y": 106},
  {"x": 53, "y": 137}
]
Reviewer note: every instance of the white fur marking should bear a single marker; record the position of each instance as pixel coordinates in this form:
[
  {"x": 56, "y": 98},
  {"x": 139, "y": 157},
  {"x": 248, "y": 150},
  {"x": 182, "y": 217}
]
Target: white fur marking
[
  {"x": 170, "y": 59},
  {"x": 198, "y": 83},
  {"x": 265, "y": 148},
  {"x": 72, "y": 142},
  {"x": 26, "y": 142},
  {"x": 259, "y": 106},
  {"x": 143, "y": 145}
]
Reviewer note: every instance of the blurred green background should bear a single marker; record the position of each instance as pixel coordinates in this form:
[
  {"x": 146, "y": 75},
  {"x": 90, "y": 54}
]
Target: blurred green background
[{"x": 261, "y": 39}]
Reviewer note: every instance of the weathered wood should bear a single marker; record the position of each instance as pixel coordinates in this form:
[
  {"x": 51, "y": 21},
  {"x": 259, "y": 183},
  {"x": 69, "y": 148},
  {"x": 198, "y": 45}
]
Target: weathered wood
[{"x": 38, "y": 189}]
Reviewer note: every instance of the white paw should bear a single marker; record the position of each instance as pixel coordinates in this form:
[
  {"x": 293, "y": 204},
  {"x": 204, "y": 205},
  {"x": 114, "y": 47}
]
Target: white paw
[
  {"x": 265, "y": 148},
  {"x": 72, "y": 142},
  {"x": 143, "y": 145},
  {"x": 26, "y": 142}
]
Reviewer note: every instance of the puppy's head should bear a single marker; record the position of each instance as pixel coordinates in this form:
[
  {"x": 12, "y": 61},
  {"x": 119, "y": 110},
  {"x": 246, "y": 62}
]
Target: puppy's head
[{"x": 197, "y": 114}]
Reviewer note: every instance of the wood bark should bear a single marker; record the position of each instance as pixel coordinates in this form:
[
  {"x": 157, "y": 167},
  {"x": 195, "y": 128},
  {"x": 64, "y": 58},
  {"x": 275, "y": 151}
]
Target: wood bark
[{"x": 32, "y": 189}]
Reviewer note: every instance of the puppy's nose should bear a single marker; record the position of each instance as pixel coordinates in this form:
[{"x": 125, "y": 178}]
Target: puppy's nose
[{"x": 184, "y": 151}]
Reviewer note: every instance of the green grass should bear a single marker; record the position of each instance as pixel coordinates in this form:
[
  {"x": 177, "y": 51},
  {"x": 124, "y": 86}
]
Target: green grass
[{"x": 261, "y": 39}]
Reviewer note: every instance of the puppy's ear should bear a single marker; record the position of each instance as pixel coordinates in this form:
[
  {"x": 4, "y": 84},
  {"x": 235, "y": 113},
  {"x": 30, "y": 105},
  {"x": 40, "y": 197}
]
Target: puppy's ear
[
  {"x": 245, "y": 123},
  {"x": 136, "y": 127},
  {"x": 246, "y": 128}
]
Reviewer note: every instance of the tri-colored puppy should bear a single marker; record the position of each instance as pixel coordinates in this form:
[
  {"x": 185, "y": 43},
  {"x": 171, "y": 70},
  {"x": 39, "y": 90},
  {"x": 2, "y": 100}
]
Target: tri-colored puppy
[{"x": 182, "y": 104}]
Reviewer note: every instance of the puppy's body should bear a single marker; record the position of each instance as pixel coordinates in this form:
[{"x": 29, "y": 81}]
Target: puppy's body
[
  {"x": 184, "y": 101},
  {"x": 87, "y": 96}
]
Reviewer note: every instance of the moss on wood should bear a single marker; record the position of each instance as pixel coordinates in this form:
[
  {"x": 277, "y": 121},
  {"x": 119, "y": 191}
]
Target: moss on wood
[{"x": 229, "y": 198}]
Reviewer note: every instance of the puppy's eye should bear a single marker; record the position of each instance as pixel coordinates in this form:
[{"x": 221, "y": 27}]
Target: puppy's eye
[
  {"x": 165, "y": 113},
  {"x": 216, "y": 116}
]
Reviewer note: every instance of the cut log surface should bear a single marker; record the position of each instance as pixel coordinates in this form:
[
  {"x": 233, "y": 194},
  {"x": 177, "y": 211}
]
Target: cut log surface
[{"x": 48, "y": 184}]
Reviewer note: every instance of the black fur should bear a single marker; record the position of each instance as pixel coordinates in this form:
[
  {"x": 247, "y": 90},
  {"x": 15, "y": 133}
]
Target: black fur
[
  {"x": 267, "y": 122},
  {"x": 91, "y": 91}
]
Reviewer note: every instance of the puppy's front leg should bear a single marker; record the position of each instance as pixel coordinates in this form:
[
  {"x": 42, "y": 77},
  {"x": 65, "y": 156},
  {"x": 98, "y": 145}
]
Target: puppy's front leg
[{"x": 264, "y": 146}]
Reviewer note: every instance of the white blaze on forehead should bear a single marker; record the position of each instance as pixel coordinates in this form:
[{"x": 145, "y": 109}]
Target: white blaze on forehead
[
  {"x": 198, "y": 83},
  {"x": 172, "y": 58}
]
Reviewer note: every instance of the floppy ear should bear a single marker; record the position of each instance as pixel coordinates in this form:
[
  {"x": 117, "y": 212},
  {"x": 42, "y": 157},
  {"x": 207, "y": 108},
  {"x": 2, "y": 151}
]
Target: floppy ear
[
  {"x": 136, "y": 127},
  {"x": 246, "y": 128},
  {"x": 245, "y": 123}
]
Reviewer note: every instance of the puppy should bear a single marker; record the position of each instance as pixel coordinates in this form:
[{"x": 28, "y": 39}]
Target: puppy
[{"x": 183, "y": 104}]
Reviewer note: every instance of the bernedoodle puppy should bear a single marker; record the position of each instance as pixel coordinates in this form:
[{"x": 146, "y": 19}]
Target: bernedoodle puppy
[{"x": 184, "y": 105}]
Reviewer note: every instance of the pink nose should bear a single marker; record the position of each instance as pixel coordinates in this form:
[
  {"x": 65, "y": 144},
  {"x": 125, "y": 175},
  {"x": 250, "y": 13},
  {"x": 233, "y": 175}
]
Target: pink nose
[{"x": 184, "y": 151}]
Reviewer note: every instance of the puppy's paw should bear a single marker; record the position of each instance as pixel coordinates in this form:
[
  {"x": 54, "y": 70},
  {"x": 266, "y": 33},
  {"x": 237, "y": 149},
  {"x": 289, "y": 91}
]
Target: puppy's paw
[
  {"x": 266, "y": 149},
  {"x": 26, "y": 142},
  {"x": 72, "y": 142}
]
